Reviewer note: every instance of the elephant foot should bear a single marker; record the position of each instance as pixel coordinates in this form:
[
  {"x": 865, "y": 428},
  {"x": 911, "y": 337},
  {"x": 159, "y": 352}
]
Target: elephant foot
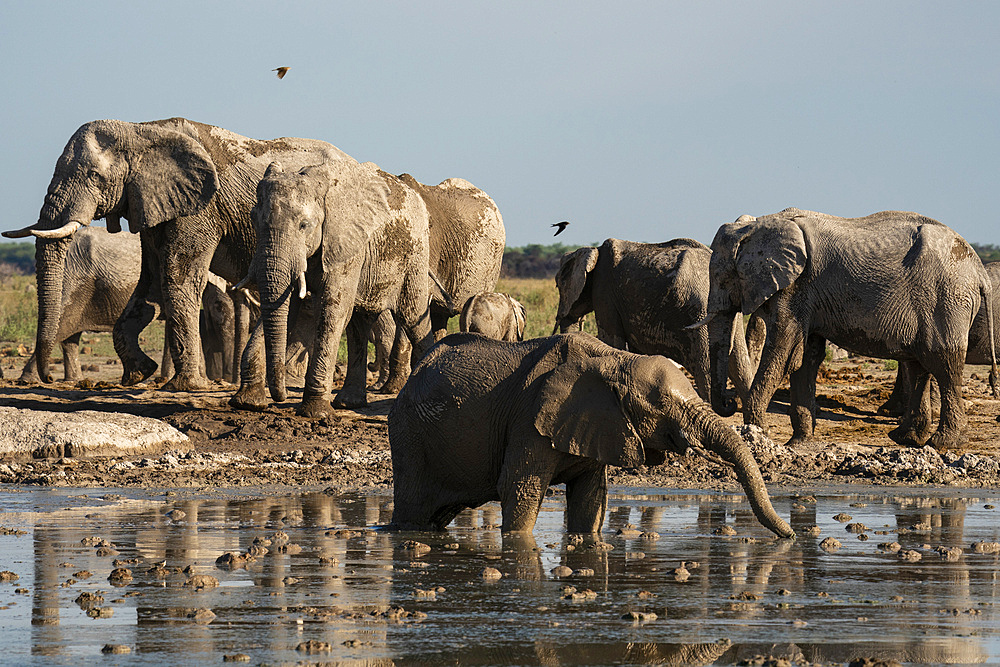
[
  {"x": 349, "y": 398},
  {"x": 798, "y": 439},
  {"x": 313, "y": 407},
  {"x": 908, "y": 436},
  {"x": 140, "y": 372},
  {"x": 942, "y": 440},
  {"x": 249, "y": 397},
  {"x": 29, "y": 379},
  {"x": 892, "y": 408},
  {"x": 393, "y": 385},
  {"x": 185, "y": 383}
]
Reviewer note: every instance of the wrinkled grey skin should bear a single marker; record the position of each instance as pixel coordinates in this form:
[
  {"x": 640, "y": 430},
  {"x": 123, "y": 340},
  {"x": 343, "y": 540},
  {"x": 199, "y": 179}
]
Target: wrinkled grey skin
[
  {"x": 644, "y": 297},
  {"x": 99, "y": 275},
  {"x": 467, "y": 240},
  {"x": 493, "y": 314},
  {"x": 217, "y": 327},
  {"x": 893, "y": 285},
  {"x": 483, "y": 420},
  {"x": 979, "y": 352},
  {"x": 357, "y": 237},
  {"x": 187, "y": 189}
]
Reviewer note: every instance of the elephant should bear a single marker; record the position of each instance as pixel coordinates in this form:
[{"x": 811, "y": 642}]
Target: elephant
[
  {"x": 978, "y": 352},
  {"x": 100, "y": 272},
  {"x": 187, "y": 189},
  {"x": 493, "y": 314},
  {"x": 644, "y": 296},
  {"x": 482, "y": 420},
  {"x": 467, "y": 240},
  {"x": 357, "y": 237},
  {"x": 892, "y": 285}
]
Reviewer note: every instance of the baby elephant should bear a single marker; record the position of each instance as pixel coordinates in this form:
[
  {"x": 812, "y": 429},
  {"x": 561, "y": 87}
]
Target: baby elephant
[
  {"x": 493, "y": 314},
  {"x": 482, "y": 420}
]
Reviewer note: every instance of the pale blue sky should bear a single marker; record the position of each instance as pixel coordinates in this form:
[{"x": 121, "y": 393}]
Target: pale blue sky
[{"x": 646, "y": 121}]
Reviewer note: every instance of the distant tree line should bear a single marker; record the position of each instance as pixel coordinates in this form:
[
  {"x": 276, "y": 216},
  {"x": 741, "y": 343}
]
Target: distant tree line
[
  {"x": 17, "y": 259},
  {"x": 987, "y": 251},
  {"x": 533, "y": 261}
]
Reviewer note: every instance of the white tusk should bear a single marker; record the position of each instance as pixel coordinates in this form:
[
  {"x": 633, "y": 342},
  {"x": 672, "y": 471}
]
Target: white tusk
[
  {"x": 243, "y": 283},
  {"x": 701, "y": 323},
  {"x": 302, "y": 285},
  {"x": 248, "y": 295},
  {"x": 61, "y": 233}
]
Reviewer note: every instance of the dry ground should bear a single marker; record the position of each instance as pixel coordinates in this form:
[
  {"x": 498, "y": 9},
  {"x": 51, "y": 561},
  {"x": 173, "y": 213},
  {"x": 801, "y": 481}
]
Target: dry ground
[{"x": 350, "y": 449}]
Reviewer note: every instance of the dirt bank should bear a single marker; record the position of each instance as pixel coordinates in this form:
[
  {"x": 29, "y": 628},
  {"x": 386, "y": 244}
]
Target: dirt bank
[{"x": 350, "y": 449}]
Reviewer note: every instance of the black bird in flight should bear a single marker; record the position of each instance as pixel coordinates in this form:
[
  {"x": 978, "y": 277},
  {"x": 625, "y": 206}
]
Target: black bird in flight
[
  {"x": 282, "y": 71},
  {"x": 561, "y": 225}
]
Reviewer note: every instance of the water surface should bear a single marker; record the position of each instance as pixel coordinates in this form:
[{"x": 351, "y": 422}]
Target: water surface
[{"x": 361, "y": 598}]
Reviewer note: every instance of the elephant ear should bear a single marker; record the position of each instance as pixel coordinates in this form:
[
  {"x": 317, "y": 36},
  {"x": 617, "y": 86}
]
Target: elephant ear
[
  {"x": 579, "y": 407},
  {"x": 770, "y": 258},
  {"x": 171, "y": 176},
  {"x": 356, "y": 201},
  {"x": 572, "y": 277}
]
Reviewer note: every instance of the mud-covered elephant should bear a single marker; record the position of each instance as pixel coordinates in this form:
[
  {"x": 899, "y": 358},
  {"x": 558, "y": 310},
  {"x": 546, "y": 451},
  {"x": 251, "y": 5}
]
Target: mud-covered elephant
[
  {"x": 467, "y": 240},
  {"x": 891, "y": 285},
  {"x": 978, "y": 353},
  {"x": 644, "y": 296},
  {"x": 483, "y": 420},
  {"x": 187, "y": 189},
  {"x": 356, "y": 237},
  {"x": 493, "y": 314},
  {"x": 99, "y": 274}
]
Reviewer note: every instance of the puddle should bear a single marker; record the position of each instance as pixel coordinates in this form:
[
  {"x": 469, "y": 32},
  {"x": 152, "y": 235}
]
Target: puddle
[{"x": 362, "y": 597}]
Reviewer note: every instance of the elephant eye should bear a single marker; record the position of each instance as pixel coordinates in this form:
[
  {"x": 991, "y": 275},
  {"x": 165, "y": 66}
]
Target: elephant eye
[
  {"x": 95, "y": 176},
  {"x": 304, "y": 225}
]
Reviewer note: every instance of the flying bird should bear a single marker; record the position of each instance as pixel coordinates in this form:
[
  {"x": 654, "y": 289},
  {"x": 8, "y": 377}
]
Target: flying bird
[
  {"x": 282, "y": 71},
  {"x": 561, "y": 225}
]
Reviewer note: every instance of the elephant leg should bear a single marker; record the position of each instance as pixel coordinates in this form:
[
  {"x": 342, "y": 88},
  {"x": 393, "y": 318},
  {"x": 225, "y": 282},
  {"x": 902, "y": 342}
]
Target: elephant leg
[
  {"x": 354, "y": 393},
  {"x": 252, "y": 394},
  {"x": 415, "y": 319},
  {"x": 398, "y": 371},
  {"x": 166, "y": 362},
  {"x": 782, "y": 354},
  {"x": 899, "y": 399},
  {"x": 382, "y": 336},
  {"x": 183, "y": 281},
  {"x": 335, "y": 306},
  {"x": 802, "y": 390},
  {"x": 439, "y": 321},
  {"x": 241, "y": 333},
  {"x": 587, "y": 501},
  {"x": 915, "y": 424},
  {"x": 947, "y": 369},
  {"x": 141, "y": 309},
  {"x": 71, "y": 358}
]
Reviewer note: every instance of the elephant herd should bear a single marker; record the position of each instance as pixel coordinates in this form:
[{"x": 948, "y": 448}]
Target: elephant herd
[{"x": 326, "y": 245}]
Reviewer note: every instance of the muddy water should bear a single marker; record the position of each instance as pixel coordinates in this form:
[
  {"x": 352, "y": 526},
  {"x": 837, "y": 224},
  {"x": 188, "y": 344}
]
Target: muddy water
[{"x": 362, "y": 597}]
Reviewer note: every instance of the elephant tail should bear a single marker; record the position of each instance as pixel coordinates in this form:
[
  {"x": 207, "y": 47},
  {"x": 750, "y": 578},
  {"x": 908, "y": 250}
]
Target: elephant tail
[
  {"x": 440, "y": 295},
  {"x": 986, "y": 289}
]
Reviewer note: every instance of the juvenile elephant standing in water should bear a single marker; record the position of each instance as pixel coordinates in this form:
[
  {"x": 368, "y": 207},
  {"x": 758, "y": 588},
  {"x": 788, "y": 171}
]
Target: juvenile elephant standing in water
[
  {"x": 892, "y": 285},
  {"x": 482, "y": 420}
]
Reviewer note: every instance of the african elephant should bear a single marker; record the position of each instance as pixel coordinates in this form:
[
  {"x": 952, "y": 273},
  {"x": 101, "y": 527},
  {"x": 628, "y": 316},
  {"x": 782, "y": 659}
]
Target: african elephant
[
  {"x": 357, "y": 237},
  {"x": 467, "y": 240},
  {"x": 644, "y": 297},
  {"x": 482, "y": 420},
  {"x": 978, "y": 352},
  {"x": 187, "y": 189},
  {"x": 100, "y": 272},
  {"x": 890, "y": 285},
  {"x": 493, "y": 314}
]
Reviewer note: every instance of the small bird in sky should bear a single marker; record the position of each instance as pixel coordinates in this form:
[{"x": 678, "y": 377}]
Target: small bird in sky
[
  {"x": 282, "y": 71},
  {"x": 561, "y": 225}
]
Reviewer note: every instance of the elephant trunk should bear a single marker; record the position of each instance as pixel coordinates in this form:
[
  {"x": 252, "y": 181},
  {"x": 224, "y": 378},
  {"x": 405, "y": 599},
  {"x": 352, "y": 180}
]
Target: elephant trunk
[
  {"x": 276, "y": 287},
  {"x": 718, "y": 437},
  {"x": 50, "y": 267},
  {"x": 720, "y": 337}
]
